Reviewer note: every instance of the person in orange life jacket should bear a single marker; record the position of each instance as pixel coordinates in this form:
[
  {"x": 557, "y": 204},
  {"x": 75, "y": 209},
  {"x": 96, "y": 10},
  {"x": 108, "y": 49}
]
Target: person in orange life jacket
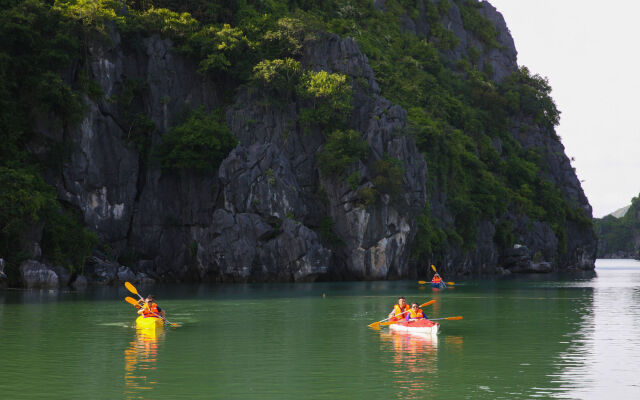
[
  {"x": 399, "y": 309},
  {"x": 415, "y": 313},
  {"x": 150, "y": 308},
  {"x": 436, "y": 278}
]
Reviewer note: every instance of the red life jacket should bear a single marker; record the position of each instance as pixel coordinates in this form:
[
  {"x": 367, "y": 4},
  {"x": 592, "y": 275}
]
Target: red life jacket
[
  {"x": 436, "y": 279},
  {"x": 153, "y": 312}
]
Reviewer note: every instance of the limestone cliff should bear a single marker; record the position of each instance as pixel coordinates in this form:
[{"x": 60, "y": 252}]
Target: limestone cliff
[{"x": 268, "y": 213}]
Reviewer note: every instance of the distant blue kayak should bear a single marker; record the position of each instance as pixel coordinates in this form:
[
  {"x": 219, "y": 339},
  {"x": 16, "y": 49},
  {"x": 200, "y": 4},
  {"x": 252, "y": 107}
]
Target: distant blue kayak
[{"x": 439, "y": 285}]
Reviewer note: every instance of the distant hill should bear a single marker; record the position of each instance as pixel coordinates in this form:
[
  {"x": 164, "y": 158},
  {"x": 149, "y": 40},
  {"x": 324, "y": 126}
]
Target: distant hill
[
  {"x": 621, "y": 212},
  {"x": 619, "y": 232}
]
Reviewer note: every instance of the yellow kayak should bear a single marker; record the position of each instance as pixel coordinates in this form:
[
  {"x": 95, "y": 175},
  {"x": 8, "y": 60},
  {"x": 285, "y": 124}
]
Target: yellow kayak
[{"x": 149, "y": 322}]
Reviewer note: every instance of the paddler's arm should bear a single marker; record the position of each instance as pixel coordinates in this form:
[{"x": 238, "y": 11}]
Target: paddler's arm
[{"x": 144, "y": 307}]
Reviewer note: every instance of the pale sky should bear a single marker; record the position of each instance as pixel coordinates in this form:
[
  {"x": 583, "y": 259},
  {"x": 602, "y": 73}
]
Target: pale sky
[{"x": 589, "y": 52}]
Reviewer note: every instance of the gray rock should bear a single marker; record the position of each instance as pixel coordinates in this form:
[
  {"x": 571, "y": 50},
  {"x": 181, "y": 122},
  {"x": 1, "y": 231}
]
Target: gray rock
[
  {"x": 125, "y": 274},
  {"x": 541, "y": 267},
  {"x": 144, "y": 279},
  {"x": 101, "y": 272},
  {"x": 3, "y": 277},
  {"x": 503, "y": 60},
  {"x": 35, "y": 274},
  {"x": 244, "y": 247},
  {"x": 80, "y": 282},
  {"x": 64, "y": 275}
]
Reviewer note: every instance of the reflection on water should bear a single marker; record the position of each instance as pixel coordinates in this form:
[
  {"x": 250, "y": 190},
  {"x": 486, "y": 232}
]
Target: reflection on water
[
  {"x": 140, "y": 360},
  {"x": 414, "y": 360},
  {"x": 597, "y": 363}
]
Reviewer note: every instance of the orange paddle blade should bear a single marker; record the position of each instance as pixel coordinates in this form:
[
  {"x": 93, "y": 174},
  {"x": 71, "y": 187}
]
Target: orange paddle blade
[
  {"x": 375, "y": 325},
  {"x": 422, "y": 282},
  {"x": 428, "y": 303},
  {"x": 131, "y": 288},
  {"x": 132, "y": 301},
  {"x": 453, "y": 318}
]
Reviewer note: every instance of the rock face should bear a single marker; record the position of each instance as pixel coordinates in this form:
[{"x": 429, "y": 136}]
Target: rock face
[
  {"x": 501, "y": 58},
  {"x": 267, "y": 213},
  {"x": 271, "y": 184},
  {"x": 539, "y": 237},
  {"x": 3, "y": 277},
  {"x": 257, "y": 218},
  {"x": 37, "y": 275}
]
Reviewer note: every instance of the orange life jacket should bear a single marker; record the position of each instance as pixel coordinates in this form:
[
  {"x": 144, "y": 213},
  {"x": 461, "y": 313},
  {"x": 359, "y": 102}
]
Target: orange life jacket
[
  {"x": 154, "y": 311},
  {"x": 398, "y": 312},
  {"x": 416, "y": 314},
  {"x": 436, "y": 279}
]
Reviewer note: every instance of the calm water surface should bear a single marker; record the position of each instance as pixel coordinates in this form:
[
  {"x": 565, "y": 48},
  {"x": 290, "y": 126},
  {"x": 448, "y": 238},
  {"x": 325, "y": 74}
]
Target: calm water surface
[{"x": 545, "y": 337}]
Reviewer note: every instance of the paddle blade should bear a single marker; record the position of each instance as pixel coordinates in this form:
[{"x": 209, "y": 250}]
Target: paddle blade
[
  {"x": 433, "y": 267},
  {"x": 422, "y": 282},
  {"x": 428, "y": 303},
  {"x": 132, "y": 301},
  {"x": 375, "y": 325},
  {"x": 453, "y": 318},
  {"x": 451, "y": 283},
  {"x": 131, "y": 288}
]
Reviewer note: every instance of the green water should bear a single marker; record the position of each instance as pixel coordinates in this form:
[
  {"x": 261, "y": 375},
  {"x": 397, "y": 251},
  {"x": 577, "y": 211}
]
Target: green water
[{"x": 550, "y": 337}]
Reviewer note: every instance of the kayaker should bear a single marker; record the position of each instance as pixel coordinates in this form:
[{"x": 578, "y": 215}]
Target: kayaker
[
  {"x": 150, "y": 308},
  {"x": 415, "y": 313},
  {"x": 436, "y": 278},
  {"x": 399, "y": 309}
]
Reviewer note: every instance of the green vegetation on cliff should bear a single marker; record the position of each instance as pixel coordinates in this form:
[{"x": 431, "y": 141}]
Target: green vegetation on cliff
[
  {"x": 200, "y": 143},
  {"x": 620, "y": 235},
  {"x": 458, "y": 116},
  {"x": 39, "y": 47}
]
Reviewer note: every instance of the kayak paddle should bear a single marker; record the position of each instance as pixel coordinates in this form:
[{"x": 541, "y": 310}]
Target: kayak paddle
[
  {"x": 449, "y": 318},
  {"x": 377, "y": 324},
  {"x": 133, "y": 290},
  {"x": 433, "y": 267},
  {"x": 133, "y": 302}
]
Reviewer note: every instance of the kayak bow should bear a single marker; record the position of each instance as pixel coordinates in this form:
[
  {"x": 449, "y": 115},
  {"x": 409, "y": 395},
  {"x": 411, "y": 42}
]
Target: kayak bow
[
  {"x": 419, "y": 326},
  {"x": 149, "y": 323}
]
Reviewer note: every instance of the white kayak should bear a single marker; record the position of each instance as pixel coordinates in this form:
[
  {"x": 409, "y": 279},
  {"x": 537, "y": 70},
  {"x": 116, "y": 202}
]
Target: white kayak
[{"x": 418, "y": 326}]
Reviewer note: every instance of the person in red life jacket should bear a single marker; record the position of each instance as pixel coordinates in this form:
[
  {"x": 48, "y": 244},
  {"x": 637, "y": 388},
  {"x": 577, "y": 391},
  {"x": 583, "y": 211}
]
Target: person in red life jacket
[
  {"x": 415, "y": 313},
  {"x": 399, "y": 309},
  {"x": 151, "y": 309},
  {"x": 436, "y": 278}
]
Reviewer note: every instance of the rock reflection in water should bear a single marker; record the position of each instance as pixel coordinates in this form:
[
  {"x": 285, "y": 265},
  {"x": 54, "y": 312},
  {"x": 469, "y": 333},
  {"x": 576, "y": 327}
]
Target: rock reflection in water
[
  {"x": 140, "y": 360},
  {"x": 415, "y": 359}
]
